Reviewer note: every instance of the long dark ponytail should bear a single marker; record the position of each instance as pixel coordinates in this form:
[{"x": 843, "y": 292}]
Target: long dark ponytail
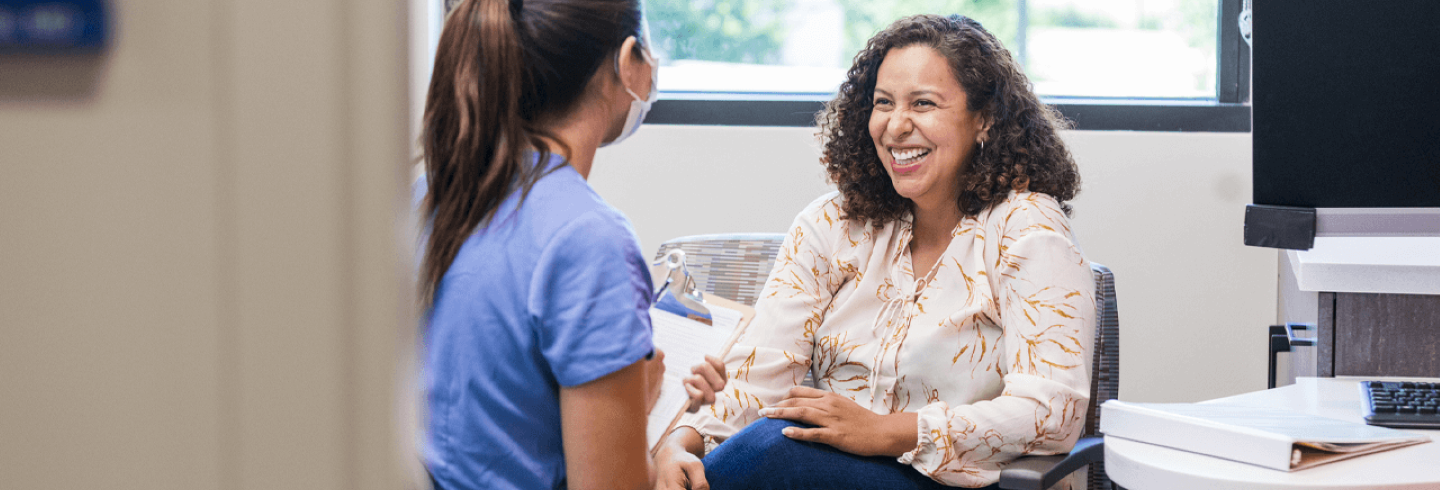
[{"x": 503, "y": 69}]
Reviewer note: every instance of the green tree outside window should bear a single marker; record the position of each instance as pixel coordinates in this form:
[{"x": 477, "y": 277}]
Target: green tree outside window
[
  {"x": 753, "y": 31},
  {"x": 738, "y": 31}
]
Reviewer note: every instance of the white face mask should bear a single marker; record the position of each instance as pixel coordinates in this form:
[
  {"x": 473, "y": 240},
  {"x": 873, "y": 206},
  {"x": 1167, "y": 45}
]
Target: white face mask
[{"x": 638, "y": 107}]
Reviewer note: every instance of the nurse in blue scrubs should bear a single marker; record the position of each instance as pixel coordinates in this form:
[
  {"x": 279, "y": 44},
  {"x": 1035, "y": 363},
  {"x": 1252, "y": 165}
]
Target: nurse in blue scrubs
[{"x": 539, "y": 366}]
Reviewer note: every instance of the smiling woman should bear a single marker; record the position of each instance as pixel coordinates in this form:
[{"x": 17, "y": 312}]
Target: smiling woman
[
  {"x": 924, "y": 132},
  {"x": 938, "y": 299},
  {"x": 922, "y": 127},
  {"x": 969, "y": 63}
]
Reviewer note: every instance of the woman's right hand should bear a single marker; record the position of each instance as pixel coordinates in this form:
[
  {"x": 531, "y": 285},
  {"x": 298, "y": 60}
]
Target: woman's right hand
[
  {"x": 708, "y": 379},
  {"x": 677, "y": 467}
]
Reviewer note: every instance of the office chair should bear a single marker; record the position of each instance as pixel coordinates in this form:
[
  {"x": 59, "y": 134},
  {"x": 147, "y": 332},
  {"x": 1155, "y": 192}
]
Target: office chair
[
  {"x": 736, "y": 266},
  {"x": 1041, "y": 472}
]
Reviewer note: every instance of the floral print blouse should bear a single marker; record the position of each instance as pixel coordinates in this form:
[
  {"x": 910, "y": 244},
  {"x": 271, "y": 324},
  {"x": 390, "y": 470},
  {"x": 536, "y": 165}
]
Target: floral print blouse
[{"x": 991, "y": 352}]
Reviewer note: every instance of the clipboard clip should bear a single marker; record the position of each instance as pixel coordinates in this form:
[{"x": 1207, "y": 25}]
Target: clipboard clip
[{"x": 678, "y": 292}]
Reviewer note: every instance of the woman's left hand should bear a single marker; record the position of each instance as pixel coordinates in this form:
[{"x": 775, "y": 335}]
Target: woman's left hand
[{"x": 844, "y": 424}]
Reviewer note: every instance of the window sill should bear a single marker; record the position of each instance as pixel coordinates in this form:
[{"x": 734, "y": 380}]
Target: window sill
[{"x": 1089, "y": 114}]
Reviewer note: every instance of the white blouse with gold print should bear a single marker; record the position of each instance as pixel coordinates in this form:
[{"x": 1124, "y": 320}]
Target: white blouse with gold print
[{"x": 993, "y": 353}]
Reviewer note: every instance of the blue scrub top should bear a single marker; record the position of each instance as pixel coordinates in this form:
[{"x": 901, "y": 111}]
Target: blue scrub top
[{"x": 552, "y": 292}]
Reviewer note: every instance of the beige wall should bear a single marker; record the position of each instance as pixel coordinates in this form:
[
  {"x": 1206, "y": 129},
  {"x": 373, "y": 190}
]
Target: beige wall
[
  {"x": 1163, "y": 210},
  {"x": 200, "y": 281}
]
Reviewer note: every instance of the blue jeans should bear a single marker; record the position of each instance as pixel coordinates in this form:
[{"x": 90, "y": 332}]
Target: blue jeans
[{"x": 761, "y": 458}]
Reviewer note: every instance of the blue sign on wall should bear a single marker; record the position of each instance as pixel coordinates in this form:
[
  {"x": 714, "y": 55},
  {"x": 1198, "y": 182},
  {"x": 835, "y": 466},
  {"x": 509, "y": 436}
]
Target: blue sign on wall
[{"x": 52, "y": 25}]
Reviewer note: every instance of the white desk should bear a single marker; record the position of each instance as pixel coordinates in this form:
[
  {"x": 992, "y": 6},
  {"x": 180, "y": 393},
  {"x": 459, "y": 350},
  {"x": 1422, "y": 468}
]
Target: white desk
[
  {"x": 1141, "y": 466},
  {"x": 1397, "y": 265}
]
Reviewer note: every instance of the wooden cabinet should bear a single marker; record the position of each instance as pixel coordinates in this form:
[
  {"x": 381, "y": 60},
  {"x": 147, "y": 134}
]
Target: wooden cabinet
[{"x": 1372, "y": 334}]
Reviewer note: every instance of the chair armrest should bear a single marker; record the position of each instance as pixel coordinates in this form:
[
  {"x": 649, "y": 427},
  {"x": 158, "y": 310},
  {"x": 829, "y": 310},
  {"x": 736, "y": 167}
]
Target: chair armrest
[{"x": 1041, "y": 472}]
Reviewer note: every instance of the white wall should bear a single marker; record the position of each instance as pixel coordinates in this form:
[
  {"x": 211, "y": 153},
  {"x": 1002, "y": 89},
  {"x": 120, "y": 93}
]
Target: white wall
[{"x": 1163, "y": 210}]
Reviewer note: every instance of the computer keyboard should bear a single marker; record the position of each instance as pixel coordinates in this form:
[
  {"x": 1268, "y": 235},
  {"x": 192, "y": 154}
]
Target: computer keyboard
[{"x": 1401, "y": 404}]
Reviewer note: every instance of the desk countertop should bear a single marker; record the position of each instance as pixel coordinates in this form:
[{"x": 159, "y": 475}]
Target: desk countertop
[
  {"x": 1403, "y": 265},
  {"x": 1140, "y": 466}
]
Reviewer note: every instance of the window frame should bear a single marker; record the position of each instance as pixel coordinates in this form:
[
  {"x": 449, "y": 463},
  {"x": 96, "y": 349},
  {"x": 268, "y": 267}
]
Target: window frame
[{"x": 1228, "y": 112}]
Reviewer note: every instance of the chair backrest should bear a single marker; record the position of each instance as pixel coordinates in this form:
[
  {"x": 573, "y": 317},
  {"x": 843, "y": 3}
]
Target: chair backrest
[
  {"x": 733, "y": 266},
  {"x": 1105, "y": 363},
  {"x": 1105, "y": 366}
]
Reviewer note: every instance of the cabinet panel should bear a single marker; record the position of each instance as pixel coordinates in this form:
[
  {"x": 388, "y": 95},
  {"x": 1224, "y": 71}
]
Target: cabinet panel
[
  {"x": 1325, "y": 337},
  {"x": 1386, "y": 334}
]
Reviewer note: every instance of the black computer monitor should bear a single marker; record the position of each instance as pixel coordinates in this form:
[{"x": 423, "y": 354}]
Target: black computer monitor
[{"x": 1346, "y": 101}]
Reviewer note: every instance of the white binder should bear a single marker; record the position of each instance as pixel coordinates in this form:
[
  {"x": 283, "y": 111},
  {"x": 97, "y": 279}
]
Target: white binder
[{"x": 1269, "y": 437}]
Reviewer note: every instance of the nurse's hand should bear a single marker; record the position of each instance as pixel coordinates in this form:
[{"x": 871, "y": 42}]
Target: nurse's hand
[
  {"x": 654, "y": 379},
  {"x": 708, "y": 378},
  {"x": 677, "y": 463}
]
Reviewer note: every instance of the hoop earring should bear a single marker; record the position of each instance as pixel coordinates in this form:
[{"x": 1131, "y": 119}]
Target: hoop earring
[{"x": 982, "y": 145}]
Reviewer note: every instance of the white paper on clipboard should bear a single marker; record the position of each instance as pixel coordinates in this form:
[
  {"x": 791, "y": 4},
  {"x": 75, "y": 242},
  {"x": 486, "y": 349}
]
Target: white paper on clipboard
[{"x": 686, "y": 342}]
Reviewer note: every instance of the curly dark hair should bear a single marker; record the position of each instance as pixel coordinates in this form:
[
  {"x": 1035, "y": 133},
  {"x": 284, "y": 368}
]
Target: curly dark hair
[{"x": 1023, "y": 150}]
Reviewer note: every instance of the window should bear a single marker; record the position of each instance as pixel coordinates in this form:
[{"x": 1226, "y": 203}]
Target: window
[{"x": 1108, "y": 64}]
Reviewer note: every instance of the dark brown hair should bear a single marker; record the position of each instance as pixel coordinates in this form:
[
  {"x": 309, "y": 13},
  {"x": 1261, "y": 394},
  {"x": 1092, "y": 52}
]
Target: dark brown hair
[
  {"x": 503, "y": 69},
  {"x": 1023, "y": 150}
]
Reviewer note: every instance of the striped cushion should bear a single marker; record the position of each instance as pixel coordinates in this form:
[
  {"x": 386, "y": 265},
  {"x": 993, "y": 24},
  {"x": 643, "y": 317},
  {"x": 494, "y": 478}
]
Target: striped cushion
[{"x": 733, "y": 267}]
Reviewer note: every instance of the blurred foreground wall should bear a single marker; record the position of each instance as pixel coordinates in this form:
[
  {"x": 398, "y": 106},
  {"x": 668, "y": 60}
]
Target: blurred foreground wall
[{"x": 200, "y": 273}]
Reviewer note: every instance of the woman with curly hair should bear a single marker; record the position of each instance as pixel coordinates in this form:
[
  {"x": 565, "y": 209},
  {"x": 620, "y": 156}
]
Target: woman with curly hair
[{"x": 938, "y": 299}]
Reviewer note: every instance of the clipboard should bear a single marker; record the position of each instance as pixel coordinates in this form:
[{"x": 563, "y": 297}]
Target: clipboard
[{"x": 687, "y": 324}]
